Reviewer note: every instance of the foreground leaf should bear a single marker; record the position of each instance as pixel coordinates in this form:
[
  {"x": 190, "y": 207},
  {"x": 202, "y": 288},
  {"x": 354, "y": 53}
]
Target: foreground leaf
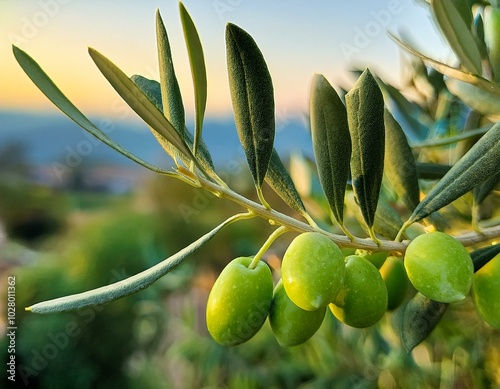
[
  {"x": 172, "y": 105},
  {"x": 482, "y": 256},
  {"x": 54, "y": 94},
  {"x": 278, "y": 178},
  {"x": 483, "y": 190},
  {"x": 399, "y": 163},
  {"x": 331, "y": 142},
  {"x": 420, "y": 317},
  {"x": 127, "y": 286},
  {"x": 252, "y": 95},
  {"x": 198, "y": 72},
  {"x": 480, "y": 163},
  {"x": 365, "y": 113},
  {"x": 458, "y": 34}
]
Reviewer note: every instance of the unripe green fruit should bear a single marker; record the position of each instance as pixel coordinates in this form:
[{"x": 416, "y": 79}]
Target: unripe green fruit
[
  {"x": 439, "y": 267},
  {"x": 377, "y": 258},
  {"x": 396, "y": 281},
  {"x": 312, "y": 271},
  {"x": 292, "y": 325},
  {"x": 362, "y": 301},
  {"x": 239, "y": 301},
  {"x": 486, "y": 292}
]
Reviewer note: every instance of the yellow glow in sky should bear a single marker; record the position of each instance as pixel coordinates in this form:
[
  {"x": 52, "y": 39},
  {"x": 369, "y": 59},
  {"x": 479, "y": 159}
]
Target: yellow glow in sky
[{"x": 297, "y": 39}]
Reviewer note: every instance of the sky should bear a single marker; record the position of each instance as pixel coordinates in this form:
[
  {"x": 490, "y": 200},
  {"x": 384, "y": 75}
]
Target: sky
[{"x": 297, "y": 39}]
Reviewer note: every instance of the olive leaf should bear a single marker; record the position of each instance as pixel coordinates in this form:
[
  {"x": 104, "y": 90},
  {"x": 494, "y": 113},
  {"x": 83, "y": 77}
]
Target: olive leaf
[
  {"x": 387, "y": 221},
  {"x": 365, "y": 115},
  {"x": 127, "y": 286},
  {"x": 449, "y": 71},
  {"x": 458, "y": 34},
  {"x": 152, "y": 90},
  {"x": 492, "y": 37},
  {"x": 54, "y": 94},
  {"x": 198, "y": 72},
  {"x": 173, "y": 108},
  {"x": 432, "y": 171},
  {"x": 479, "y": 99},
  {"x": 420, "y": 315},
  {"x": 331, "y": 142},
  {"x": 278, "y": 178},
  {"x": 140, "y": 103},
  {"x": 479, "y": 164},
  {"x": 399, "y": 163},
  {"x": 482, "y": 256},
  {"x": 483, "y": 190},
  {"x": 252, "y": 96}
]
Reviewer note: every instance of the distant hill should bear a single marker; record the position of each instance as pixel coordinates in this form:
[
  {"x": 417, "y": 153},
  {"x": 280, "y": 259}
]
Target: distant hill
[{"x": 51, "y": 138}]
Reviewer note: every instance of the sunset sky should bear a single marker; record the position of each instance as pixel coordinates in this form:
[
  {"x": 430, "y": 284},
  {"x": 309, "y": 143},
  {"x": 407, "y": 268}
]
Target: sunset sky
[{"x": 297, "y": 39}]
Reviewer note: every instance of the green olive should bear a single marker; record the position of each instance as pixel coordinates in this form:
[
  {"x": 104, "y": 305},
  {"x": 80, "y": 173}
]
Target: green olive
[
  {"x": 362, "y": 301},
  {"x": 312, "y": 271},
  {"x": 239, "y": 301},
  {"x": 486, "y": 292},
  {"x": 439, "y": 267},
  {"x": 292, "y": 325},
  {"x": 394, "y": 274}
]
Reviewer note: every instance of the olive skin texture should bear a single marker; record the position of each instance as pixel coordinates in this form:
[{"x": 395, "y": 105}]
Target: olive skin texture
[
  {"x": 362, "y": 301},
  {"x": 239, "y": 301},
  {"x": 439, "y": 267},
  {"x": 396, "y": 281},
  {"x": 486, "y": 292},
  {"x": 292, "y": 325},
  {"x": 312, "y": 271}
]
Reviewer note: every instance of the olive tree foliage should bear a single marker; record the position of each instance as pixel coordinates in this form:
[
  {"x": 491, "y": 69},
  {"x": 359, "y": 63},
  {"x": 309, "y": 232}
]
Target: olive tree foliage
[{"x": 372, "y": 147}]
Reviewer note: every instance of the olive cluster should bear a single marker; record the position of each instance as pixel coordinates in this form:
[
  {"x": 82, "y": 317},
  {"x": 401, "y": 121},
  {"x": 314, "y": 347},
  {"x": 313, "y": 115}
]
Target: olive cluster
[
  {"x": 358, "y": 287},
  {"x": 314, "y": 275}
]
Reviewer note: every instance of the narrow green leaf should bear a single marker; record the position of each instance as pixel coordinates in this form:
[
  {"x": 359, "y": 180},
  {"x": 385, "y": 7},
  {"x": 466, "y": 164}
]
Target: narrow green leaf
[
  {"x": 481, "y": 100},
  {"x": 331, "y": 142},
  {"x": 198, "y": 71},
  {"x": 252, "y": 96},
  {"x": 482, "y": 256},
  {"x": 451, "y": 140},
  {"x": 173, "y": 108},
  {"x": 492, "y": 37},
  {"x": 127, "y": 286},
  {"x": 420, "y": 317},
  {"x": 365, "y": 114},
  {"x": 464, "y": 10},
  {"x": 278, "y": 178},
  {"x": 140, "y": 103},
  {"x": 54, "y": 94},
  {"x": 480, "y": 163},
  {"x": 449, "y": 71},
  {"x": 458, "y": 34},
  {"x": 399, "y": 163},
  {"x": 431, "y": 171},
  {"x": 416, "y": 121},
  {"x": 483, "y": 190},
  {"x": 387, "y": 221},
  {"x": 152, "y": 90}
]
